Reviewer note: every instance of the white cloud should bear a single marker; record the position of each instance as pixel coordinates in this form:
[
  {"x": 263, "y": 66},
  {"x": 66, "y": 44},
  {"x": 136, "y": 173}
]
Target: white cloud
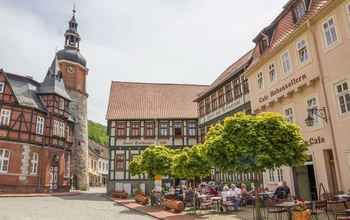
[{"x": 182, "y": 41}]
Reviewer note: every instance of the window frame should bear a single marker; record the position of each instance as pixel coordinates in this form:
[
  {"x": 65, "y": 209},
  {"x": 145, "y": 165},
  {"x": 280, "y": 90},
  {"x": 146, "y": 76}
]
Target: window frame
[
  {"x": 201, "y": 108},
  {"x": 298, "y": 15},
  {"x": 135, "y": 126},
  {"x": 344, "y": 95},
  {"x": 333, "y": 43},
  {"x": 214, "y": 101},
  {"x": 40, "y": 125},
  {"x": 191, "y": 126},
  {"x": 181, "y": 124},
  {"x": 260, "y": 76},
  {"x": 5, "y": 119},
  {"x": 317, "y": 121},
  {"x": 237, "y": 88},
  {"x": 166, "y": 128},
  {"x": 274, "y": 70},
  {"x": 2, "y": 87},
  {"x": 3, "y": 158},
  {"x": 119, "y": 162},
  {"x": 293, "y": 113},
  {"x": 147, "y": 128},
  {"x": 120, "y": 126},
  {"x": 34, "y": 163},
  {"x": 228, "y": 92},
  {"x": 290, "y": 64},
  {"x": 305, "y": 48}
]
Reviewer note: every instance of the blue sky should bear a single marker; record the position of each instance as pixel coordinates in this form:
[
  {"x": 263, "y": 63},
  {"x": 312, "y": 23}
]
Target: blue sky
[{"x": 174, "y": 41}]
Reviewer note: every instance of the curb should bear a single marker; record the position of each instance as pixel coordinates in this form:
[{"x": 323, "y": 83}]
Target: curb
[
  {"x": 39, "y": 195},
  {"x": 136, "y": 210}
]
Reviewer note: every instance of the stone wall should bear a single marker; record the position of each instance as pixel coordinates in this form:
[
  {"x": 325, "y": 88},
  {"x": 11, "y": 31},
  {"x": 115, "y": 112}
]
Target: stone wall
[{"x": 79, "y": 162}]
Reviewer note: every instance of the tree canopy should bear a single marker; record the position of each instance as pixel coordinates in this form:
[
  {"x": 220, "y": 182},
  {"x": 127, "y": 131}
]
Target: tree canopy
[
  {"x": 246, "y": 143},
  {"x": 191, "y": 163},
  {"x": 155, "y": 160}
]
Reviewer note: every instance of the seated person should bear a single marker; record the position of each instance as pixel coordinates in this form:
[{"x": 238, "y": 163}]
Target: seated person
[
  {"x": 282, "y": 191},
  {"x": 236, "y": 193}
]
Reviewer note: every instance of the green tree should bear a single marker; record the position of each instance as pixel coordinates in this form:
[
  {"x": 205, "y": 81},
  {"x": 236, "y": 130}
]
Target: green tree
[
  {"x": 97, "y": 132},
  {"x": 191, "y": 163},
  {"x": 246, "y": 143},
  {"x": 155, "y": 160}
]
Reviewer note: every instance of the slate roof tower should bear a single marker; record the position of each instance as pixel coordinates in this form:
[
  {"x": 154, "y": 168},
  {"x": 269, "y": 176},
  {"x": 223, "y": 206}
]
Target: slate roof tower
[{"x": 74, "y": 71}]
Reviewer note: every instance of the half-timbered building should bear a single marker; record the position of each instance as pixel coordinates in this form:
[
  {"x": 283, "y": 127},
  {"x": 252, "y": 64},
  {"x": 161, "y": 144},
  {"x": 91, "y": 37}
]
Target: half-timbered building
[
  {"x": 143, "y": 114},
  {"x": 227, "y": 95},
  {"x": 44, "y": 124},
  {"x": 35, "y": 133}
]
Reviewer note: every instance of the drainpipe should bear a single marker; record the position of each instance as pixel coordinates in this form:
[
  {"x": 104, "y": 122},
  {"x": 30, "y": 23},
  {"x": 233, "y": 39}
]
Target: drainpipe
[{"x": 323, "y": 87}]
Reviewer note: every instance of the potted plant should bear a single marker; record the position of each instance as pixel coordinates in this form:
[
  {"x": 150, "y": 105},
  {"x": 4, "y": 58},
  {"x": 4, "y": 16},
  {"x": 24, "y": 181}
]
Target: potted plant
[{"x": 301, "y": 211}]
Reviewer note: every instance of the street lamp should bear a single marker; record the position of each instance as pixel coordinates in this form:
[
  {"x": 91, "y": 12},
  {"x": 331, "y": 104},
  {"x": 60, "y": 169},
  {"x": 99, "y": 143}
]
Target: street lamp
[{"x": 315, "y": 112}]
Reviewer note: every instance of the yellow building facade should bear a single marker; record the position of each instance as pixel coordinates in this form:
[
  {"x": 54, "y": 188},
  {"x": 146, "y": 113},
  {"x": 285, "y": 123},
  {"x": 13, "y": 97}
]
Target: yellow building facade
[{"x": 301, "y": 69}]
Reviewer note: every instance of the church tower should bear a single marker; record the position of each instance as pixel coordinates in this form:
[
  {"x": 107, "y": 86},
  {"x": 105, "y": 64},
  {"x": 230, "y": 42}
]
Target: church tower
[{"x": 74, "y": 72}]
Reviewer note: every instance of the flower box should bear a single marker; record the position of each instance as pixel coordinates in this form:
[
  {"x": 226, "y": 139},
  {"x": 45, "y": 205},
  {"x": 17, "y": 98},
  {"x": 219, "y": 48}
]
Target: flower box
[
  {"x": 302, "y": 215},
  {"x": 175, "y": 205},
  {"x": 141, "y": 198}
]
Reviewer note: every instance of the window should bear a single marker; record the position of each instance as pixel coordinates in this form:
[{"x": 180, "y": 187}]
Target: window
[
  {"x": 121, "y": 129},
  {"x": 58, "y": 129},
  {"x": 347, "y": 9},
  {"x": 135, "y": 129},
  {"x": 303, "y": 53},
  {"x": 214, "y": 102},
  {"x": 288, "y": 112},
  {"x": 343, "y": 96},
  {"x": 61, "y": 104},
  {"x": 4, "y": 160},
  {"x": 164, "y": 129},
  {"x": 311, "y": 105},
  {"x": 35, "y": 162},
  {"x": 2, "y": 87},
  {"x": 207, "y": 105},
  {"x": 178, "y": 129},
  {"x": 272, "y": 72},
  {"x": 119, "y": 162},
  {"x": 299, "y": 10},
  {"x": 67, "y": 165},
  {"x": 228, "y": 92},
  {"x": 221, "y": 97},
  {"x": 245, "y": 86},
  {"x": 191, "y": 128},
  {"x": 5, "y": 117},
  {"x": 279, "y": 175},
  {"x": 237, "y": 89},
  {"x": 272, "y": 175},
  {"x": 201, "y": 108},
  {"x": 330, "y": 33},
  {"x": 40, "y": 122},
  {"x": 264, "y": 43},
  {"x": 149, "y": 128},
  {"x": 286, "y": 63},
  {"x": 260, "y": 80}
]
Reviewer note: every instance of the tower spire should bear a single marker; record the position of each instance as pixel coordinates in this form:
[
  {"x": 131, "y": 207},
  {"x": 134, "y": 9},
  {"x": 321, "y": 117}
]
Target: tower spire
[{"x": 72, "y": 37}]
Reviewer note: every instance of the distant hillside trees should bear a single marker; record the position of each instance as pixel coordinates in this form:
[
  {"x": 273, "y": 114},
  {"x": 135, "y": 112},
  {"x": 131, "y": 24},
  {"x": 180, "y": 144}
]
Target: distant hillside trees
[{"x": 97, "y": 132}]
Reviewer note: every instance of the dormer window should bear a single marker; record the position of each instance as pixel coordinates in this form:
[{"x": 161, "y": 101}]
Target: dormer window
[
  {"x": 299, "y": 10},
  {"x": 264, "y": 44}
]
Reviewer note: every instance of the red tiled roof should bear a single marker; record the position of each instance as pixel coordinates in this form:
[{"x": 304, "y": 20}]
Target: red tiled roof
[
  {"x": 284, "y": 24},
  {"x": 131, "y": 100},
  {"x": 229, "y": 72}
]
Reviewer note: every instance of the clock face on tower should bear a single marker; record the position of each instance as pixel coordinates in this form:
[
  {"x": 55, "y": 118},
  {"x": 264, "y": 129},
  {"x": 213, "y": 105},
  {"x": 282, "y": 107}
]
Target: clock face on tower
[{"x": 70, "y": 69}]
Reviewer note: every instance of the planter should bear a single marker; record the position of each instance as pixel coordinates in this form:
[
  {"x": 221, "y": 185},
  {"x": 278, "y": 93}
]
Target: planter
[
  {"x": 302, "y": 215},
  {"x": 176, "y": 206},
  {"x": 141, "y": 198},
  {"x": 120, "y": 195}
]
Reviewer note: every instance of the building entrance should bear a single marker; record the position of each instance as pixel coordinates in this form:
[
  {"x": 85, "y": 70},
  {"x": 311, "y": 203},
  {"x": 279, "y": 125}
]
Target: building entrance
[{"x": 305, "y": 182}]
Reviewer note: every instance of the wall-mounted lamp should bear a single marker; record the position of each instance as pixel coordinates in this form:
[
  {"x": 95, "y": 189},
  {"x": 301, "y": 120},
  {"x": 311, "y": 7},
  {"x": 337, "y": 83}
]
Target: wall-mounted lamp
[{"x": 315, "y": 112}]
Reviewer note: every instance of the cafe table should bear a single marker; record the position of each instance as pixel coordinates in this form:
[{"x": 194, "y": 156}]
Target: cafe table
[
  {"x": 217, "y": 200},
  {"x": 289, "y": 205}
]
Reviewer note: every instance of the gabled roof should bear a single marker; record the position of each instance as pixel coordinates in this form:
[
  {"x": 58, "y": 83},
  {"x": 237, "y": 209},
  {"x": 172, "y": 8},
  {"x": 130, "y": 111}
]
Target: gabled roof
[
  {"x": 131, "y": 100},
  {"x": 25, "y": 90},
  {"x": 232, "y": 70},
  {"x": 284, "y": 24},
  {"x": 53, "y": 82}
]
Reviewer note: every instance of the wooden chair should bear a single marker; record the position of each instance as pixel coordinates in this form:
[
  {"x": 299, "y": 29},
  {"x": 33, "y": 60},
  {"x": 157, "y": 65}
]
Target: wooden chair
[
  {"x": 318, "y": 208},
  {"x": 338, "y": 210},
  {"x": 205, "y": 203}
]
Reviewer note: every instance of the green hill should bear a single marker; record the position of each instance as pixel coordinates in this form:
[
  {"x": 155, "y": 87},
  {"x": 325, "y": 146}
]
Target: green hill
[{"x": 97, "y": 132}]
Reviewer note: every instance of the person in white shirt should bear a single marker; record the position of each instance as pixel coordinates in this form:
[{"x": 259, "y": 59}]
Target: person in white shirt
[{"x": 236, "y": 192}]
